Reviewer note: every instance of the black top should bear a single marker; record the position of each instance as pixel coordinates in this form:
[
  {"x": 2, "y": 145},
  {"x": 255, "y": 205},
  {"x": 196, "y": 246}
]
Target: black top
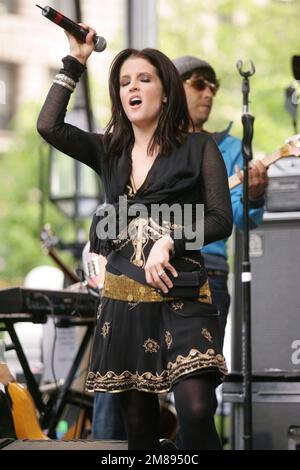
[{"x": 192, "y": 173}]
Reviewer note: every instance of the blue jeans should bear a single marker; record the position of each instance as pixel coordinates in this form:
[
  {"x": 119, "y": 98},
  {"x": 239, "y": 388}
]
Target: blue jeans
[
  {"x": 221, "y": 298},
  {"x": 107, "y": 420}
]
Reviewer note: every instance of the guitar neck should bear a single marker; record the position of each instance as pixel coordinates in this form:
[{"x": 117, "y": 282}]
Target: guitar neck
[
  {"x": 67, "y": 272},
  {"x": 268, "y": 160}
]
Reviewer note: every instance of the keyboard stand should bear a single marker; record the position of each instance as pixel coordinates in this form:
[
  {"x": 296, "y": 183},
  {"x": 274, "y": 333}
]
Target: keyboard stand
[
  {"x": 30, "y": 380},
  {"x": 48, "y": 417},
  {"x": 65, "y": 390}
]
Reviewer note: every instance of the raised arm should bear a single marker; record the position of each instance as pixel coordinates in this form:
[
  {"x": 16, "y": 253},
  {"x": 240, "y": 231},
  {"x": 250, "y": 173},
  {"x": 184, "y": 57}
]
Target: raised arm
[{"x": 86, "y": 147}]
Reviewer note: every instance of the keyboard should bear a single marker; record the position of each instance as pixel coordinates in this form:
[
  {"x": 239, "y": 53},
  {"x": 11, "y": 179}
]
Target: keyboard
[{"x": 23, "y": 300}]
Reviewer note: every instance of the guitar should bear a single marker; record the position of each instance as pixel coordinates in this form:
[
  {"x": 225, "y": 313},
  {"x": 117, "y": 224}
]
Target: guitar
[
  {"x": 46, "y": 237},
  {"x": 291, "y": 148},
  {"x": 7, "y": 429},
  {"x": 93, "y": 264},
  {"x": 18, "y": 417},
  {"x": 24, "y": 414},
  {"x": 94, "y": 267}
]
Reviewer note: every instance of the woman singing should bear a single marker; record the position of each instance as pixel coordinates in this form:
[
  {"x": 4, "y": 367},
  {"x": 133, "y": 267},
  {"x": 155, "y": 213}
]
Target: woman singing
[{"x": 149, "y": 339}]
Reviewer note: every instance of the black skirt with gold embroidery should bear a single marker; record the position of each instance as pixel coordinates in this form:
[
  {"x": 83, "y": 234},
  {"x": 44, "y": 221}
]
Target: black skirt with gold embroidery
[
  {"x": 143, "y": 341},
  {"x": 149, "y": 346}
]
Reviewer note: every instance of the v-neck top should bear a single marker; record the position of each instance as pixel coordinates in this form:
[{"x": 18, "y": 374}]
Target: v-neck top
[{"x": 192, "y": 173}]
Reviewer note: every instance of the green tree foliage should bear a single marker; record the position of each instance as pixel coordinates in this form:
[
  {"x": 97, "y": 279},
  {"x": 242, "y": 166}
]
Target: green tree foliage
[
  {"x": 224, "y": 31},
  {"x": 20, "y": 246},
  {"x": 20, "y": 196},
  {"x": 221, "y": 31}
]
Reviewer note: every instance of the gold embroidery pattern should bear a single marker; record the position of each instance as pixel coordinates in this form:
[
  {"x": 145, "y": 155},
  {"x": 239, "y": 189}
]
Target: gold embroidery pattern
[
  {"x": 105, "y": 329},
  {"x": 123, "y": 288},
  {"x": 177, "y": 305},
  {"x": 139, "y": 232},
  {"x": 168, "y": 339},
  {"x": 150, "y": 345},
  {"x": 130, "y": 192},
  {"x": 157, "y": 383},
  {"x": 131, "y": 305},
  {"x": 191, "y": 260},
  {"x": 99, "y": 311},
  {"x": 176, "y": 226},
  {"x": 206, "y": 334}
]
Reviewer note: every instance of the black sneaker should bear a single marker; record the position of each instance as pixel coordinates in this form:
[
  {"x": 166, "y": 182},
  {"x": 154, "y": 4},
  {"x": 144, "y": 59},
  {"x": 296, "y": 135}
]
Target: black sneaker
[{"x": 167, "y": 444}]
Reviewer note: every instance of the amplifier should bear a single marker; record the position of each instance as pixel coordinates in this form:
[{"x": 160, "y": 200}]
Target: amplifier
[
  {"x": 283, "y": 192},
  {"x": 275, "y": 405},
  {"x": 275, "y": 301}
]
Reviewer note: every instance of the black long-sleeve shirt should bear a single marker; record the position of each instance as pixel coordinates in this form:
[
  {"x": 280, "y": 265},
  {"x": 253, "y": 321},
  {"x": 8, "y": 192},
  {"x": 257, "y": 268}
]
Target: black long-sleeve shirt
[{"x": 193, "y": 173}]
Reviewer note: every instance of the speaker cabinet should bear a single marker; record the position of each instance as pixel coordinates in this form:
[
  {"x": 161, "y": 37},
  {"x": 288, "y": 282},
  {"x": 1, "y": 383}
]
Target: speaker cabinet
[
  {"x": 275, "y": 295},
  {"x": 275, "y": 412}
]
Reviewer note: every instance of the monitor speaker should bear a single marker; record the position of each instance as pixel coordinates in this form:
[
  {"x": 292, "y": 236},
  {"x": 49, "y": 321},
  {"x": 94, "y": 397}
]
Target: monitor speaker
[
  {"x": 275, "y": 295},
  {"x": 275, "y": 416}
]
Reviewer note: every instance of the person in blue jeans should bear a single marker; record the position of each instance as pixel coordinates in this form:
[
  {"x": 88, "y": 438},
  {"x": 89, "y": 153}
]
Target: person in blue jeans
[
  {"x": 201, "y": 85},
  {"x": 107, "y": 422}
]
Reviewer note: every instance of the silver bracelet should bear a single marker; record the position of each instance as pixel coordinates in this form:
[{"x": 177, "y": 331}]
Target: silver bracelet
[
  {"x": 65, "y": 78},
  {"x": 64, "y": 84},
  {"x": 65, "y": 81}
]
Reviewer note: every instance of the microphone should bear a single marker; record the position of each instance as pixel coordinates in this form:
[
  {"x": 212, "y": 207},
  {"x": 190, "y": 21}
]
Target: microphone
[{"x": 72, "y": 27}]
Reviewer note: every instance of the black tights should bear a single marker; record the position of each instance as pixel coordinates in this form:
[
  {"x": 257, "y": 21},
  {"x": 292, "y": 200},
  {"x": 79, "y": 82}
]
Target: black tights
[
  {"x": 141, "y": 415},
  {"x": 195, "y": 403}
]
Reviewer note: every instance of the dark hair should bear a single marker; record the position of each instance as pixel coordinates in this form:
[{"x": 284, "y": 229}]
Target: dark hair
[{"x": 174, "y": 118}]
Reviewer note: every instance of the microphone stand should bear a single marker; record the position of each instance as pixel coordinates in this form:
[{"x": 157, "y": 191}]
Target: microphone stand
[{"x": 247, "y": 121}]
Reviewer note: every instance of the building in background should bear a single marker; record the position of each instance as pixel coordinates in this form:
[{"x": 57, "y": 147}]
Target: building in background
[{"x": 31, "y": 48}]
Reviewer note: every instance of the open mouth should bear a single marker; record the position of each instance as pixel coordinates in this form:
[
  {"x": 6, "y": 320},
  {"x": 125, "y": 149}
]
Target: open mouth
[{"x": 135, "y": 101}]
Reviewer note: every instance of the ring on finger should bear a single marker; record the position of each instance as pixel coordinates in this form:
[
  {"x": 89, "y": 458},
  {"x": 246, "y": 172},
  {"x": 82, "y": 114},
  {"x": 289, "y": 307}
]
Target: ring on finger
[{"x": 161, "y": 273}]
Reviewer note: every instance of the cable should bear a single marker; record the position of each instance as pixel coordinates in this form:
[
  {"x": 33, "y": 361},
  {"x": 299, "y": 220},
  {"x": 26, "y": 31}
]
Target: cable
[{"x": 51, "y": 309}]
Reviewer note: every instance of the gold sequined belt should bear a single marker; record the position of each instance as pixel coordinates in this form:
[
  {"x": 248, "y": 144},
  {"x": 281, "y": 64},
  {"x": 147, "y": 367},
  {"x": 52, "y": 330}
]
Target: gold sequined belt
[{"x": 124, "y": 288}]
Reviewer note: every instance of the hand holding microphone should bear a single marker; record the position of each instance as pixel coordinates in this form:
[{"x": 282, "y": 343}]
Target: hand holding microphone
[
  {"x": 82, "y": 35},
  {"x": 81, "y": 50}
]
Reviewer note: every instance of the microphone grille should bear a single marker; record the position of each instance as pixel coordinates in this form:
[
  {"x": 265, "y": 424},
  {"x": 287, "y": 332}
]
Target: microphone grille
[{"x": 100, "y": 44}]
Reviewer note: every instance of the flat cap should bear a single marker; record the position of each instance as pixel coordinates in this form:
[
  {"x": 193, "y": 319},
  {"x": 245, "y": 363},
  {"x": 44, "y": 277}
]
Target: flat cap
[{"x": 189, "y": 63}]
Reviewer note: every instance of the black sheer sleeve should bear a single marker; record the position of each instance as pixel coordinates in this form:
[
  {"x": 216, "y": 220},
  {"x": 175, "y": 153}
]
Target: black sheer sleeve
[
  {"x": 215, "y": 197},
  {"x": 86, "y": 147}
]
